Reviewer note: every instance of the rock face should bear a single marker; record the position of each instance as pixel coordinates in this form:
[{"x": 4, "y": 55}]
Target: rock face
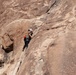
[{"x": 52, "y": 50}]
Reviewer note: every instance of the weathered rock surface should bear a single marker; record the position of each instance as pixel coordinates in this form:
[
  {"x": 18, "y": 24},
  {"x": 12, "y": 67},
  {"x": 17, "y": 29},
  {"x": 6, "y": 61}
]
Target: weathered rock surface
[{"x": 52, "y": 50}]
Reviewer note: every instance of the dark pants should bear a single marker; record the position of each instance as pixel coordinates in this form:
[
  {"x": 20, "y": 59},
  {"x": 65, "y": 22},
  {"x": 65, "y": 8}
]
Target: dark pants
[
  {"x": 26, "y": 41},
  {"x": 26, "y": 44}
]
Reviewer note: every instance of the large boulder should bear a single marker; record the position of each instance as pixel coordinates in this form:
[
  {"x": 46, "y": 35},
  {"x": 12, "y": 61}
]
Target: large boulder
[
  {"x": 52, "y": 48},
  {"x": 2, "y": 57}
]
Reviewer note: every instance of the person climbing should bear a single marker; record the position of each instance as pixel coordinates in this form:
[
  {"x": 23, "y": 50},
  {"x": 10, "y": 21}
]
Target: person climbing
[{"x": 27, "y": 38}]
